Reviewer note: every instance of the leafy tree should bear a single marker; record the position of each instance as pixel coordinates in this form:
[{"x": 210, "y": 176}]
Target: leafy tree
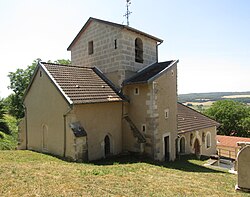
[
  {"x": 246, "y": 126},
  {"x": 63, "y": 61},
  {"x": 233, "y": 116},
  {"x": 19, "y": 81},
  {"x": 3, "y": 125}
]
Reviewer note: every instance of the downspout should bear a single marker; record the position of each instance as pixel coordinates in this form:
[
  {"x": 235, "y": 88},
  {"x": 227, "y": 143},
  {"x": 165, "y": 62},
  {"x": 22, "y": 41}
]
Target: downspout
[
  {"x": 152, "y": 116},
  {"x": 26, "y": 127},
  {"x": 157, "y": 50},
  {"x": 65, "y": 130}
]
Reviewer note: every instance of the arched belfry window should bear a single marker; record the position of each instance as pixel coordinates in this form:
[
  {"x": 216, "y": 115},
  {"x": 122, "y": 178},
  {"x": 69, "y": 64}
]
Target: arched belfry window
[{"x": 138, "y": 50}]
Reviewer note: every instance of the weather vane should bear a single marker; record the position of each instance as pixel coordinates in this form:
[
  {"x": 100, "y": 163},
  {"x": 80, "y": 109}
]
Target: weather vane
[{"x": 128, "y": 12}]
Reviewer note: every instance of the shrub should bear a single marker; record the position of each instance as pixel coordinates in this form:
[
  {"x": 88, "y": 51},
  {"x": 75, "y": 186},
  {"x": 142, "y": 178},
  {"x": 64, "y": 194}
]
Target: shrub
[{"x": 7, "y": 142}]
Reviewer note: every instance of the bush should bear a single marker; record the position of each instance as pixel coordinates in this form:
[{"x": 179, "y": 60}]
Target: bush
[{"x": 7, "y": 142}]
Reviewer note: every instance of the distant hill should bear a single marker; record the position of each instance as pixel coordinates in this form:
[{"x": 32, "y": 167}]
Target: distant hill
[{"x": 214, "y": 96}]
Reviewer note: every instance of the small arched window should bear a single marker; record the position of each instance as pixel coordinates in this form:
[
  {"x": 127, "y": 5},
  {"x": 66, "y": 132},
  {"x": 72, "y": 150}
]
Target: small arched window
[
  {"x": 182, "y": 145},
  {"x": 208, "y": 140},
  {"x": 138, "y": 50},
  {"x": 191, "y": 138},
  {"x": 45, "y": 137}
]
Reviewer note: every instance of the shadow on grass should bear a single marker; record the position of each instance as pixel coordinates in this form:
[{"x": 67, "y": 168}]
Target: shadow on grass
[
  {"x": 188, "y": 163},
  {"x": 185, "y": 163}
]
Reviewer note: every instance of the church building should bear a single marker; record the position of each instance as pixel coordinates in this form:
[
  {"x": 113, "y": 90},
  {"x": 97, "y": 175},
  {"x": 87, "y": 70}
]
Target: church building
[{"x": 115, "y": 97}]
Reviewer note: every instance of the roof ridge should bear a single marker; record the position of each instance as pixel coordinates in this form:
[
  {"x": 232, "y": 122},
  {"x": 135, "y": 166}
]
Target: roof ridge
[{"x": 68, "y": 65}]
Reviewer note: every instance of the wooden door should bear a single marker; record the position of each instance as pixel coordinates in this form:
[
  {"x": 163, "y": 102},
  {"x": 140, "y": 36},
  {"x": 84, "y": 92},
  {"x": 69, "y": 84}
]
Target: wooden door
[
  {"x": 197, "y": 147},
  {"x": 107, "y": 146},
  {"x": 166, "y": 146}
]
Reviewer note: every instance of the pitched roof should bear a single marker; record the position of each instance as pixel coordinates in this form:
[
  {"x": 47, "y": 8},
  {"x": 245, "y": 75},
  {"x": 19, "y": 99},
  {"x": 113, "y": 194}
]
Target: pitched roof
[
  {"x": 191, "y": 120},
  {"x": 230, "y": 141},
  {"x": 150, "y": 73},
  {"x": 112, "y": 24},
  {"x": 81, "y": 84}
]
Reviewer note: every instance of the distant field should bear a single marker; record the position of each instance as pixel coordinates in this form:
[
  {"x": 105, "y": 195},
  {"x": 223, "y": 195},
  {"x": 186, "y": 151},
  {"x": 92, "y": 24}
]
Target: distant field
[
  {"x": 207, "y": 103},
  {"x": 26, "y": 173},
  {"x": 206, "y": 99},
  {"x": 237, "y": 96}
]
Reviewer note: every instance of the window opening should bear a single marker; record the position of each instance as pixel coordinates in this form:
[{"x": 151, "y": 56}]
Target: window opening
[
  {"x": 136, "y": 91},
  {"x": 91, "y": 47},
  {"x": 115, "y": 44},
  {"x": 138, "y": 50},
  {"x": 143, "y": 128},
  {"x": 208, "y": 140},
  {"x": 166, "y": 112}
]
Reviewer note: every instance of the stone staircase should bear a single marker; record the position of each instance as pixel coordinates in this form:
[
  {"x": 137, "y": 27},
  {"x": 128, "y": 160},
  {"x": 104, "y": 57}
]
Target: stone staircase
[{"x": 140, "y": 136}]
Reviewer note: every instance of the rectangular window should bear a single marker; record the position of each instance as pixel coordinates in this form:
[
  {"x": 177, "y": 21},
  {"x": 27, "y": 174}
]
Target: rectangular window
[
  {"x": 143, "y": 128},
  {"x": 136, "y": 91},
  {"x": 166, "y": 113},
  {"x": 91, "y": 47},
  {"x": 115, "y": 44}
]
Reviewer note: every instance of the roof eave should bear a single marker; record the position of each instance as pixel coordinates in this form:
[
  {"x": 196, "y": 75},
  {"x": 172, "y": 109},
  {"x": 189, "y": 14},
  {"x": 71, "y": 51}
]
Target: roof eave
[
  {"x": 113, "y": 24},
  {"x": 162, "y": 72},
  {"x": 95, "y": 102},
  {"x": 79, "y": 33},
  {"x": 137, "y": 82},
  {"x": 192, "y": 130},
  {"x": 143, "y": 33}
]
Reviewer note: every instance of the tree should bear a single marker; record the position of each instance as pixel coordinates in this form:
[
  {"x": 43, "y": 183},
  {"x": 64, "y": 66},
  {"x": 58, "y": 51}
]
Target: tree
[
  {"x": 3, "y": 125},
  {"x": 233, "y": 116},
  {"x": 63, "y": 61},
  {"x": 19, "y": 81},
  {"x": 246, "y": 126}
]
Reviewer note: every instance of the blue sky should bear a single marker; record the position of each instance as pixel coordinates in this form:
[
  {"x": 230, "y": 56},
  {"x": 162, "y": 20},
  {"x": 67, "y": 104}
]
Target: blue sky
[{"x": 210, "y": 38}]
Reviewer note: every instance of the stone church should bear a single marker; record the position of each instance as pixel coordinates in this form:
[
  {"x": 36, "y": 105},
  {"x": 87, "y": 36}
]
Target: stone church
[{"x": 115, "y": 97}]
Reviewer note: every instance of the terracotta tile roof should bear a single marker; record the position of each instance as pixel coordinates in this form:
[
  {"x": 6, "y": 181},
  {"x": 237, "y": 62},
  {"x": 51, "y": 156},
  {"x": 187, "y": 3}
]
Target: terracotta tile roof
[
  {"x": 191, "y": 120},
  {"x": 230, "y": 141},
  {"x": 143, "y": 76},
  {"x": 81, "y": 84}
]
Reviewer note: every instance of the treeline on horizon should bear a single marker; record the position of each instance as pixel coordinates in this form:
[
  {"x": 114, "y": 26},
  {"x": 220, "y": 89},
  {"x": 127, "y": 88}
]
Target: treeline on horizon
[{"x": 212, "y": 96}]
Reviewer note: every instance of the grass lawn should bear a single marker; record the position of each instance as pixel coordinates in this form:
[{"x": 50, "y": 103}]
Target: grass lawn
[{"x": 26, "y": 173}]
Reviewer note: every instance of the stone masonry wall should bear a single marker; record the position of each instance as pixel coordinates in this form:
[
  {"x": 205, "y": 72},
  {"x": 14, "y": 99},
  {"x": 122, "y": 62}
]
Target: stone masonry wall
[
  {"x": 119, "y": 61},
  {"x": 105, "y": 55}
]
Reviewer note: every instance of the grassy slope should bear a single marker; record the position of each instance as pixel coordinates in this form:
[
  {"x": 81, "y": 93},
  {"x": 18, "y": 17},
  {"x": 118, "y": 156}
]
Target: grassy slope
[
  {"x": 9, "y": 142},
  {"x": 25, "y": 173}
]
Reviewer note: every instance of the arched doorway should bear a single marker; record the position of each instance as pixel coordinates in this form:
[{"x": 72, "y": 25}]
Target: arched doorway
[
  {"x": 197, "y": 150},
  {"x": 107, "y": 146}
]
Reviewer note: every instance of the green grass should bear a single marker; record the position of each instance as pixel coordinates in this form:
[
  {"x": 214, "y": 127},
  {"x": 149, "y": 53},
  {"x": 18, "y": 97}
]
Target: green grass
[{"x": 26, "y": 173}]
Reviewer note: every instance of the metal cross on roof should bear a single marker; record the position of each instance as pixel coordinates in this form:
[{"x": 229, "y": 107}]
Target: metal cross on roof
[{"x": 128, "y": 12}]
